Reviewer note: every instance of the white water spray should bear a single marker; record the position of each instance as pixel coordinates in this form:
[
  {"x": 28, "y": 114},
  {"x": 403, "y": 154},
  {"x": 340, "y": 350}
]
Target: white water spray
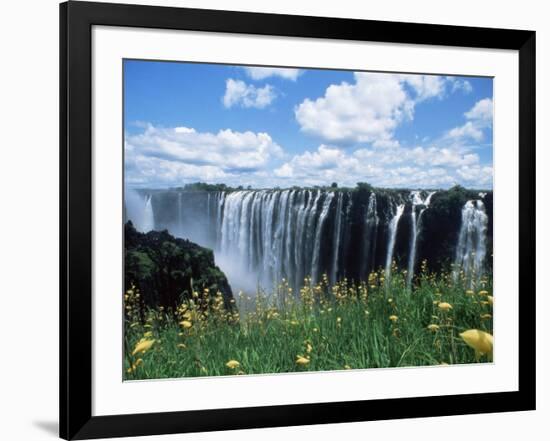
[
  {"x": 472, "y": 247},
  {"x": 392, "y": 232}
]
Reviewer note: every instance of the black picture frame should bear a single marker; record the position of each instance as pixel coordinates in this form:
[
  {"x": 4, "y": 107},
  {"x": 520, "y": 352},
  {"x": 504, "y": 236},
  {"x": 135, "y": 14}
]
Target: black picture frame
[{"x": 76, "y": 21}]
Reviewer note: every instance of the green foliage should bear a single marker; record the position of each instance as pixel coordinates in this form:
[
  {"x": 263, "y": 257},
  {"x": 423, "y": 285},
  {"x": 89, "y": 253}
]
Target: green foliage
[
  {"x": 166, "y": 269},
  {"x": 364, "y": 187},
  {"x": 374, "y": 325}
]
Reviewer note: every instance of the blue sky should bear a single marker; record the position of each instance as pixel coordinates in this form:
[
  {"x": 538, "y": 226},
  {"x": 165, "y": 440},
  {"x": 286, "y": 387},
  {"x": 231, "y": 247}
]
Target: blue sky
[{"x": 266, "y": 127}]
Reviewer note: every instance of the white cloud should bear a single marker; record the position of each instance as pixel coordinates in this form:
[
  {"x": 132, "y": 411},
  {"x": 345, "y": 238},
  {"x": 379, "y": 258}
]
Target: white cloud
[
  {"x": 181, "y": 154},
  {"x": 468, "y": 130},
  {"x": 367, "y": 111},
  {"x": 176, "y": 156},
  {"x": 370, "y": 109},
  {"x": 426, "y": 167},
  {"x": 425, "y": 86},
  {"x": 238, "y": 93},
  {"x": 476, "y": 176},
  {"x": 261, "y": 73},
  {"x": 482, "y": 111},
  {"x": 458, "y": 84},
  {"x": 184, "y": 130},
  {"x": 480, "y": 117}
]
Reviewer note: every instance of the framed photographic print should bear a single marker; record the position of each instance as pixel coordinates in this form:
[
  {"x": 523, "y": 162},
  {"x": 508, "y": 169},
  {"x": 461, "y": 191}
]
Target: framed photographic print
[{"x": 276, "y": 220}]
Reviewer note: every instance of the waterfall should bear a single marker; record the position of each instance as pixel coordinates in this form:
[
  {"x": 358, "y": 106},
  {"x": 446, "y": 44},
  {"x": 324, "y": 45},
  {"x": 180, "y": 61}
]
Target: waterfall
[
  {"x": 347, "y": 233},
  {"x": 208, "y": 206},
  {"x": 471, "y": 247},
  {"x": 318, "y": 232},
  {"x": 369, "y": 239},
  {"x": 416, "y": 200},
  {"x": 219, "y": 212},
  {"x": 288, "y": 257},
  {"x": 336, "y": 238},
  {"x": 305, "y": 204},
  {"x": 392, "y": 233},
  {"x": 148, "y": 217},
  {"x": 266, "y": 236},
  {"x": 261, "y": 237},
  {"x": 139, "y": 210},
  {"x": 180, "y": 212}
]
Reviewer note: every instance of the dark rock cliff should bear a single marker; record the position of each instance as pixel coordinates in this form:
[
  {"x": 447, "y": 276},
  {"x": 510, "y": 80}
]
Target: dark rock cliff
[{"x": 167, "y": 270}]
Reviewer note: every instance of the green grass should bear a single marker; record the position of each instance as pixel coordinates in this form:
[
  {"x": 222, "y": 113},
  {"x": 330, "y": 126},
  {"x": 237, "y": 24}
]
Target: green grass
[{"x": 332, "y": 328}]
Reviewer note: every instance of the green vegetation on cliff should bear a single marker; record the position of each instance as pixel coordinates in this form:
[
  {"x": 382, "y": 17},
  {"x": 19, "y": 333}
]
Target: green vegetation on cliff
[{"x": 167, "y": 270}]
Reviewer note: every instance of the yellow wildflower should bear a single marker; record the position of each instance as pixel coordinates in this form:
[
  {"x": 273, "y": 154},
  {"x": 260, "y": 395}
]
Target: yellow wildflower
[
  {"x": 480, "y": 341},
  {"x": 444, "y": 306},
  {"x": 483, "y": 293},
  {"x": 469, "y": 292},
  {"x": 186, "y": 324},
  {"x": 347, "y": 366},
  {"x": 143, "y": 345},
  {"x": 490, "y": 300},
  {"x": 181, "y": 345},
  {"x": 309, "y": 348},
  {"x": 433, "y": 327},
  {"x": 232, "y": 364},
  {"x": 148, "y": 334},
  {"x": 393, "y": 318},
  {"x": 134, "y": 366},
  {"x": 302, "y": 361},
  {"x": 486, "y": 316}
]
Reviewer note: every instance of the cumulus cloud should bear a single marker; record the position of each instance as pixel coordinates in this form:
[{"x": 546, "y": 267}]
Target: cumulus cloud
[
  {"x": 479, "y": 118},
  {"x": 238, "y": 93},
  {"x": 261, "y": 73},
  {"x": 482, "y": 111},
  {"x": 468, "y": 130},
  {"x": 425, "y": 86},
  {"x": 370, "y": 109},
  {"x": 182, "y": 154},
  {"x": 426, "y": 167},
  {"x": 460, "y": 85},
  {"x": 477, "y": 176}
]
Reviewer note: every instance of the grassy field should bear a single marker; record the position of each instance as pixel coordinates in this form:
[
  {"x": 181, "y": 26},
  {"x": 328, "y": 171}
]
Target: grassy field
[{"x": 376, "y": 324}]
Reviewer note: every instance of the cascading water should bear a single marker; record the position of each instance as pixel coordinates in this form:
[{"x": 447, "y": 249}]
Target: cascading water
[
  {"x": 336, "y": 239},
  {"x": 261, "y": 237},
  {"x": 139, "y": 210},
  {"x": 416, "y": 201},
  {"x": 369, "y": 240},
  {"x": 273, "y": 235},
  {"x": 318, "y": 232},
  {"x": 472, "y": 239},
  {"x": 392, "y": 233}
]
